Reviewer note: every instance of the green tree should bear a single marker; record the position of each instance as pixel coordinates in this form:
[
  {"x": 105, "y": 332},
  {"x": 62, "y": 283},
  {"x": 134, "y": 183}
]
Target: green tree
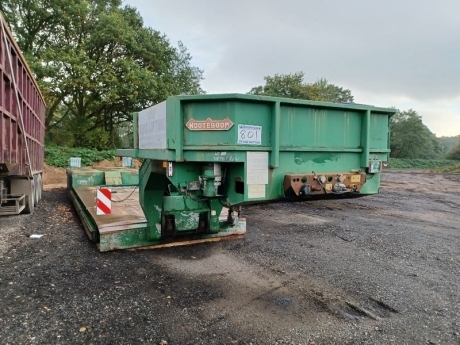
[
  {"x": 449, "y": 142},
  {"x": 454, "y": 153},
  {"x": 286, "y": 85},
  {"x": 332, "y": 93},
  {"x": 97, "y": 63},
  {"x": 293, "y": 86},
  {"x": 410, "y": 138}
]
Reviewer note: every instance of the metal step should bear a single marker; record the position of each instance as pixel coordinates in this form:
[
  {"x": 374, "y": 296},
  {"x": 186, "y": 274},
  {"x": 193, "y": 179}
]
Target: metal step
[{"x": 13, "y": 204}]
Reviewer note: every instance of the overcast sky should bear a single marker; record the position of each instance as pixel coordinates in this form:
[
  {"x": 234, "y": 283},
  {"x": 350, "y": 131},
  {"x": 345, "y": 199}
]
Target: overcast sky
[{"x": 397, "y": 53}]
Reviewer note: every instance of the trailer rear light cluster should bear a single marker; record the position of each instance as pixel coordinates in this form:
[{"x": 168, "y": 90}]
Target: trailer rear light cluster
[
  {"x": 313, "y": 184},
  {"x": 375, "y": 166}
]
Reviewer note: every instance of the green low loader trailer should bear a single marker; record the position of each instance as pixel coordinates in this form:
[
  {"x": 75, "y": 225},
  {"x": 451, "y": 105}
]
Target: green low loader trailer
[{"x": 205, "y": 156}]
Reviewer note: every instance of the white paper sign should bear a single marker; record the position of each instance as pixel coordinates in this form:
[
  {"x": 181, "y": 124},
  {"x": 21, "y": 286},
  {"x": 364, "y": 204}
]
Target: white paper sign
[
  {"x": 257, "y": 168},
  {"x": 152, "y": 127},
  {"x": 256, "y": 191},
  {"x": 249, "y": 135}
]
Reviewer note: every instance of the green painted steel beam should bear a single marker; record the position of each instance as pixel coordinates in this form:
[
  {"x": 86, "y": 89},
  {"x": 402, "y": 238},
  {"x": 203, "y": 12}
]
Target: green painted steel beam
[
  {"x": 275, "y": 149},
  {"x": 268, "y": 99},
  {"x": 366, "y": 138},
  {"x": 136, "y": 133}
]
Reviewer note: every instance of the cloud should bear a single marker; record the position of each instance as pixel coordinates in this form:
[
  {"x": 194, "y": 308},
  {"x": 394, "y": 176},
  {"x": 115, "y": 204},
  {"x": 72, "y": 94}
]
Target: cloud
[
  {"x": 441, "y": 121},
  {"x": 407, "y": 49}
]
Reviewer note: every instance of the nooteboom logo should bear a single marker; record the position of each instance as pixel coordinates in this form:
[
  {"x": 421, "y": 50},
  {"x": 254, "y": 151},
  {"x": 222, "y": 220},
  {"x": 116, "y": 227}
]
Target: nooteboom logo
[{"x": 209, "y": 125}]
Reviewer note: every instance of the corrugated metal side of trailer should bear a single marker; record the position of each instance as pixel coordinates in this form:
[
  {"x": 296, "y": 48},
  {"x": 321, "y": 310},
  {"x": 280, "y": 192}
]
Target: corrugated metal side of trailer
[{"x": 22, "y": 110}]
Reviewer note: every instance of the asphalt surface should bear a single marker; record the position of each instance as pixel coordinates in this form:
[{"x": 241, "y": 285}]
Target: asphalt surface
[{"x": 383, "y": 269}]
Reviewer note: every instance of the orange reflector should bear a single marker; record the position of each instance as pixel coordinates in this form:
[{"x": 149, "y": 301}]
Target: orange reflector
[{"x": 165, "y": 164}]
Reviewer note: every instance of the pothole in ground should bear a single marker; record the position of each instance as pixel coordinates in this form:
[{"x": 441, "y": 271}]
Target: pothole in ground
[{"x": 283, "y": 301}]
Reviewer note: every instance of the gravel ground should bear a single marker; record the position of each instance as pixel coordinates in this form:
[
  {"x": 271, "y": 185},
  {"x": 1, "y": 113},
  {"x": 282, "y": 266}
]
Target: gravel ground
[{"x": 376, "y": 270}]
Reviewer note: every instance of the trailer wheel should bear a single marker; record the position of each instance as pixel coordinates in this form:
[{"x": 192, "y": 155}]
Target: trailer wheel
[
  {"x": 38, "y": 188},
  {"x": 40, "y": 179},
  {"x": 30, "y": 199},
  {"x": 35, "y": 177}
]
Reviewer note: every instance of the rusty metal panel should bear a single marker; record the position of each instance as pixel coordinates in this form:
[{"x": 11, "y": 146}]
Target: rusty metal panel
[
  {"x": 19, "y": 94},
  {"x": 113, "y": 178}
]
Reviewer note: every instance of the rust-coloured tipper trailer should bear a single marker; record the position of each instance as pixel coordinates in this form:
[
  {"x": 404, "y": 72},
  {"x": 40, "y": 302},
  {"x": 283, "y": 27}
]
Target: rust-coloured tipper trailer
[{"x": 22, "y": 130}]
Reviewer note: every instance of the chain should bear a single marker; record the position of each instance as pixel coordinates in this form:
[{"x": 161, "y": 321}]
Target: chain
[{"x": 132, "y": 192}]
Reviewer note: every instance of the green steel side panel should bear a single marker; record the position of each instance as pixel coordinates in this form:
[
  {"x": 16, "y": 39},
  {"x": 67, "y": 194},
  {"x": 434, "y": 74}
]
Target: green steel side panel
[
  {"x": 87, "y": 177},
  {"x": 287, "y": 124},
  {"x": 217, "y": 156},
  {"x": 130, "y": 177},
  {"x": 379, "y": 132},
  {"x": 319, "y": 127},
  {"x": 128, "y": 238},
  {"x": 319, "y": 162},
  {"x": 240, "y": 113},
  {"x": 133, "y": 238},
  {"x": 113, "y": 176},
  {"x": 379, "y": 156}
]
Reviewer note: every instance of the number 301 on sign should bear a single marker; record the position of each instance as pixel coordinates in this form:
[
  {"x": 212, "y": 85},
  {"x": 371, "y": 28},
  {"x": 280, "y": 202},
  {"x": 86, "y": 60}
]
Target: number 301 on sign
[{"x": 249, "y": 135}]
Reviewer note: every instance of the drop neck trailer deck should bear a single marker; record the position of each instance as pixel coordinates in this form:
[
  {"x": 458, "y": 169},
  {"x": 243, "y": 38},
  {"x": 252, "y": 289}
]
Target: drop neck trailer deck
[{"x": 205, "y": 156}]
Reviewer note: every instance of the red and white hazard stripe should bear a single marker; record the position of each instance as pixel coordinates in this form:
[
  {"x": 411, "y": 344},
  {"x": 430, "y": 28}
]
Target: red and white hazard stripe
[{"x": 103, "y": 201}]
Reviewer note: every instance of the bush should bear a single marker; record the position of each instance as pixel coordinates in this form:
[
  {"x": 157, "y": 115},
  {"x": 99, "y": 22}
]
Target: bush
[
  {"x": 455, "y": 168},
  {"x": 454, "y": 153},
  {"x": 58, "y": 156},
  {"x": 424, "y": 164}
]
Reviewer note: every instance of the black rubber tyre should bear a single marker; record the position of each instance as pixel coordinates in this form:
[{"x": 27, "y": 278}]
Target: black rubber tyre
[
  {"x": 30, "y": 199},
  {"x": 38, "y": 188}
]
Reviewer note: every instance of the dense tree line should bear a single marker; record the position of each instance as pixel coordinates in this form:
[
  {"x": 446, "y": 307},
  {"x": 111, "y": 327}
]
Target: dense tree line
[
  {"x": 449, "y": 143},
  {"x": 96, "y": 64},
  {"x": 409, "y": 137},
  {"x": 294, "y": 86},
  {"x": 454, "y": 153}
]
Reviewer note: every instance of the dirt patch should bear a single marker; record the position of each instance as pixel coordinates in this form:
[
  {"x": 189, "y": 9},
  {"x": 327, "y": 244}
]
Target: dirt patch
[
  {"x": 54, "y": 186},
  {"x": 104, "y": 164},
  {"x": 117, "y": 162},
  {"x": 53, "y": 175},
  {"x": 137, "y": 164}
]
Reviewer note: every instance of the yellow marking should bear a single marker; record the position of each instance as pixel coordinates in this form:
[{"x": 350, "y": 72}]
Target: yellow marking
[
  {"x": 328, "y": 186},
  {"x": 356, "y": 178}
]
